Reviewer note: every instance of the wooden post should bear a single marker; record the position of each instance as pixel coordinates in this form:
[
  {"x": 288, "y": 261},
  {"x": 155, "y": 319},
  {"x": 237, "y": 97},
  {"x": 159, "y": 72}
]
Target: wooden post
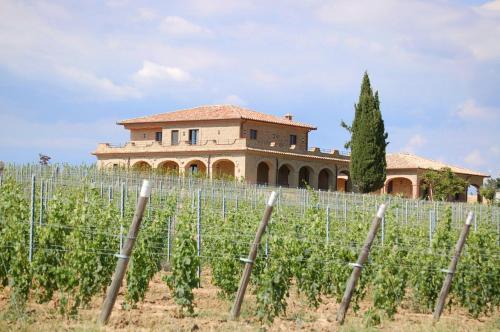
[
  {"x": 235, "y": 312},
  {"x": 356, "y": 272},
  {"x": 124, "y": 256},
  {"x": 452, "y": 267}
]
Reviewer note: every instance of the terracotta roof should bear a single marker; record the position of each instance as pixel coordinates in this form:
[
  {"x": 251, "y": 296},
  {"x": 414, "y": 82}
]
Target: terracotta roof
[
  {"x": 216, "y": 112},
  {"x": 409, "y": 161}
]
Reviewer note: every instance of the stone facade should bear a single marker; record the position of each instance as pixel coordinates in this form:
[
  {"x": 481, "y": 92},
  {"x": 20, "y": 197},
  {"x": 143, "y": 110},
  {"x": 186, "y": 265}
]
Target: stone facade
[{"x": 260, "y": 152}]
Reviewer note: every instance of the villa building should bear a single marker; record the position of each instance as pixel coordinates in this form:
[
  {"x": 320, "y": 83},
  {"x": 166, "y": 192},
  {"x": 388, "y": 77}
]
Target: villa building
[{"x": 227, "y": 140}]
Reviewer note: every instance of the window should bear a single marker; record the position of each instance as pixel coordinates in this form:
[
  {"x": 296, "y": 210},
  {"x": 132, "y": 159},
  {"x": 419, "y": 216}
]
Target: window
[
  {"x": 174, "y": 137},
  {"x": 253, "y": 134},
  {"x": 193, "y": 136},
  {"x": 158, "y": 136},
  {"x": 293, "y": 139},
  {"x": 145, "y": 135}
]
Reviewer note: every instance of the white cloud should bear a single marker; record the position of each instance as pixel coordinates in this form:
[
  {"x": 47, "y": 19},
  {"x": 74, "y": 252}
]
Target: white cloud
[
  {"x": 234, "y": 100},
  {"x": 178, "y": 26},
  {"x": 492, "y": 6},
  {"x": 146, "y": 14},
  {"x": 475, "y": 159},
  {"x": 414, "y": 143},
  {"x": 470, "y": 110},
  {"x": 102, "y": 86},
  {"x": 220, "y": 7},
  {"x": 418, "y": 28},
  {"x": 151, "y": 71}
]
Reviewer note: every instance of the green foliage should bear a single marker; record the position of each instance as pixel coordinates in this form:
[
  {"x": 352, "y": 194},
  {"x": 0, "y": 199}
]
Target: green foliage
[
  {"x": 443, "y": 185},
  {"x": 184, "y": 262},
  {"x": 148, "y": 253},
  {"x": 368, "y": 141},
  {"x": 390, "y": 270},
  {"x": 15, "y": 270},
  {"x": 490, "y": 188},
  {"x": 427, "y": 277},
  {"x": 74, "y": 253},
  {"x": 477, "y": 285}
]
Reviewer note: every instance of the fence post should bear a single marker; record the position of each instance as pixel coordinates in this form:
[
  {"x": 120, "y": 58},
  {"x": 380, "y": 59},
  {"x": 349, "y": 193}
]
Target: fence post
[
  {"x": 2, "y": 167},
  {"x": 169, "y": 231},
  {"x": 327, "y": 224},
  {"x": 224, "y": 207},
  {"x": 198, "y": 234},
  {"x": 356, "y": 272},
  {"x": 32, "y": 217},
  {"x": 124, "y": 256},
  {"x": 42, "y": 189},
  {"x": 235, "y": 312},
  {"x": 452, "y": 267}
]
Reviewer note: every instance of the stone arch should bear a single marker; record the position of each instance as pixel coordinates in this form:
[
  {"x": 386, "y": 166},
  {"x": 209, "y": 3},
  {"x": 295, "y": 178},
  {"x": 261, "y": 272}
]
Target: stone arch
[
  {"x": 263, "y": 173},
  {"x": 325, "y": 179},
  {"x": 223, "y": 168},
  {"x": 344, "y": 183},
  {"x": 169, "y": 166},
  {"x": 284, "y": 173},
  {"x": 473, "y": 195},
  {"x": 141, "y": 165},
  {"x": 305, "y": 176},
  {"x": 194, "y": 167},
  {"x": 399, "y": 185}
]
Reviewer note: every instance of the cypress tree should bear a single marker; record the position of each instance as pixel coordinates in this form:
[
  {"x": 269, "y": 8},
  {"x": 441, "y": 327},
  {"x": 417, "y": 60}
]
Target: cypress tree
[{"x": 368, "y": 142}]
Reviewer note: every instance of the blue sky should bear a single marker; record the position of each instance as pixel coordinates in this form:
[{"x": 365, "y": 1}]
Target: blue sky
[{"x": 70, "y": 69}]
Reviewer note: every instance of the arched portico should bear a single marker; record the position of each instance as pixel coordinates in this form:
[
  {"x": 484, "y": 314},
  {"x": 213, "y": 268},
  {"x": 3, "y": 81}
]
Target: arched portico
[
  {"x": 141, "y": 165},
  {"x": 195, "y": 167},
  {"x": 284, "y": 175},
  {"x": 473, "y": 194},
  {"x": 344, "y": 183},
  {"x": 400, "y": 186},
  {"x": 305, "y": 176},
  {"x": 169, "y": 166},
  {"x": 263, "y": 173},
  {"x": 223, "y": 168},
  {"x": 326, "y": 179}
]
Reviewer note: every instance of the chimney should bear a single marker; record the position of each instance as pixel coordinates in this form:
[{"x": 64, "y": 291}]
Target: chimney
[{"x": 288, "y": 116}]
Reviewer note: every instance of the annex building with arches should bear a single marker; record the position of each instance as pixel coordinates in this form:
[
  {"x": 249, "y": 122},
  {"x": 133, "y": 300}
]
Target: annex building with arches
[{"x": 220, "y": 141}]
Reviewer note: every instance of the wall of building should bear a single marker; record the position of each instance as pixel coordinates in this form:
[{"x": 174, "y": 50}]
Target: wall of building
[
  {"x": 223, "y": 130},
  {"x": 144, "y": 134},
  {"x": 209, "y": 161},
  {"x": 220, "y": 131},
  {"x": 280, "y": 135},
  {"x": 274, "y": 162}
]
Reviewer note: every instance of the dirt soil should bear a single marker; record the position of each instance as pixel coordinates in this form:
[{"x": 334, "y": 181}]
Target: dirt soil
[{"x": 158, "y": 312}]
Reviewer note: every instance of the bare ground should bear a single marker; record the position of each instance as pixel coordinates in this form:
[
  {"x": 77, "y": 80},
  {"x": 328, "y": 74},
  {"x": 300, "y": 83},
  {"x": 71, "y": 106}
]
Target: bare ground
[{"x": 158, "y": 312}]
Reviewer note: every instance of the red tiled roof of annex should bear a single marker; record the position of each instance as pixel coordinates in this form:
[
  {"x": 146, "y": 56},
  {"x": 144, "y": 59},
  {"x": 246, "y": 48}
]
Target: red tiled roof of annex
[
  {"x": 216, "y": 112},
  {"x": 410, "y": 161}
]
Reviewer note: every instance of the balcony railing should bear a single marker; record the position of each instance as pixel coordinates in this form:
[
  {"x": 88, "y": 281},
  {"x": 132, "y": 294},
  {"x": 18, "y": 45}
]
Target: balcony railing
[{"x": 213, "y": 144}]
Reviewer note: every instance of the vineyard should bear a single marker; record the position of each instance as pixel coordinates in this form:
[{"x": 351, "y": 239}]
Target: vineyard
[{"x": 63, "y": 227}]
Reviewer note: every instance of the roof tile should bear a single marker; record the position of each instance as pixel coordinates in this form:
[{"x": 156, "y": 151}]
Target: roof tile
[
  {"x": 216, "y": 112},
  {"x": 409, "y": 161}
]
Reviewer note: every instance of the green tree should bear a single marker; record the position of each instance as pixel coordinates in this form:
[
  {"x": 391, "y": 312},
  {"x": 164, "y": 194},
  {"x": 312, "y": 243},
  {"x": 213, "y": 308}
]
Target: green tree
[
  {"x": 368, "y": 141},
  {"x": 443, "y": 184},
  {"x": 489, "y": 190}
]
